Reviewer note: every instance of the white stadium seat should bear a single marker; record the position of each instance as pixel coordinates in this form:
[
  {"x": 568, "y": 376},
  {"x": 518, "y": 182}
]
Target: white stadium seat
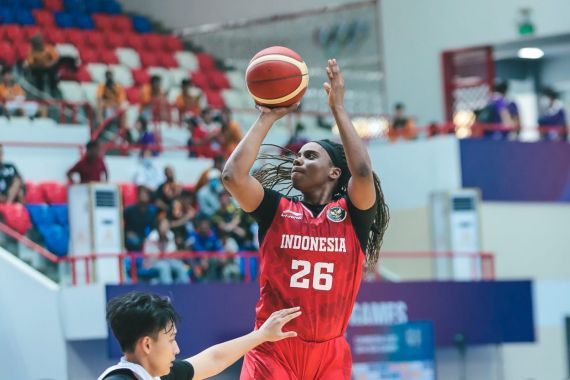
[
  {"x": 128, "y": 57},
  {"x": 186, "y": 60},
  {"x": 177, "y": 75},
  {"x": 164, "y": 74},
  {"x": 71, "y": 91},
  {"x": 97, "y": 71},
  {"x": 122, "y": 75},
  {"x": 236, "y": 78},
  {"x": 67, "y": 50},
  {"x": 90, "y": 92}
]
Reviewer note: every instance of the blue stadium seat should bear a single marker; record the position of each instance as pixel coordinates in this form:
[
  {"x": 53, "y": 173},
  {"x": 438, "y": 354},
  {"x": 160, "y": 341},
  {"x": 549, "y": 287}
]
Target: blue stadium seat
[
  {"x": 111, "y": 7},
  {"x": 41, "y": 215},
  {"x": 13, "y": 3},
  {"x": 84, "y": 21},
  {"x": 74, "y": 6},
  {"x": 7, "y": 16},
  {"x": 33, "y": 4},
  {"x": 93, "y": 6},
  {"x": 64, "y": 20},
  {"x": 24, "y": 17},
  {"x": 60, "y": 213},
  {"x": 56, "y": 239},
  {"x": 141, "y": 24}
]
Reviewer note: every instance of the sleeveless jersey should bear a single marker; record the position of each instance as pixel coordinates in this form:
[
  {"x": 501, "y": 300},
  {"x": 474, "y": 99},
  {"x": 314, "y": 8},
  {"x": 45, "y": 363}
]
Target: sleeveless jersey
[{"x": 311, "y": 262}]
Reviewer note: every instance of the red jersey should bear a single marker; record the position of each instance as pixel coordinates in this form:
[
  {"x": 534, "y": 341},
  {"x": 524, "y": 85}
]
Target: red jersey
[{"x": 311, "y": 262}]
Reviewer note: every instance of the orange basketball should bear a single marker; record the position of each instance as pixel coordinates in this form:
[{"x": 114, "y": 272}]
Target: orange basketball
[{"x": 277, "y": 77}]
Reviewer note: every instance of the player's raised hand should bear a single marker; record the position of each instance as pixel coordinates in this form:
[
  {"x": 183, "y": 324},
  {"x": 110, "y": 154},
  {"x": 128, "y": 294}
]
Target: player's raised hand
[
  {"x": 272, "y": 329},
  {"x": 277, "y": 113},
  {"x": 335, "y": 86}
]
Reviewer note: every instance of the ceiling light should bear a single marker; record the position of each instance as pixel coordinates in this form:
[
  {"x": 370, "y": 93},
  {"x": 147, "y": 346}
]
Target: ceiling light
[{"x": 530, "y": 53}]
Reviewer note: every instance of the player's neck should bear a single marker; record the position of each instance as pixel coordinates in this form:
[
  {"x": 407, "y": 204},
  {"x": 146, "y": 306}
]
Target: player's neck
[
  {"x": 135, "y": 359},
  {"x": 319, "y": 197}
]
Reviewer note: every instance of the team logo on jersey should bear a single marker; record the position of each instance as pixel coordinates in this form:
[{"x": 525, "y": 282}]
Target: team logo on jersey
[
  {"x": 292, "y": 215},
  {"x": 336, "y": 214}
]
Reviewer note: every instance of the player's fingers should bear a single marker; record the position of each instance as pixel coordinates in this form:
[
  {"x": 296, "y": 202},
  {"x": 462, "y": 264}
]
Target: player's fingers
[
  {"x": 327, "y": 87},
  {"x": 289, "y": 317},
  {"x": 329, "y": 72},
  {"x": 291, "y": 309},
  {"x": 263, "y": 109},
  {"x": 289, "y": 334}
]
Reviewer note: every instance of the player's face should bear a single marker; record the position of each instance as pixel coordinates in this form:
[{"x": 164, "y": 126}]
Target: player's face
[
  {"x": 163, "y": 351},
  {"x": 312, "y": 168}
]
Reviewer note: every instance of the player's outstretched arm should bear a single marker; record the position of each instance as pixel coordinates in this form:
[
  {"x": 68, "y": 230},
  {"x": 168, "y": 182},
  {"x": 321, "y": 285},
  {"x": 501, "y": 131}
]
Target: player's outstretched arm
[
  {"x": 215, "y": 359},
  {"x": 361, "y": 185},
  {"x": 236, "y": 174}
]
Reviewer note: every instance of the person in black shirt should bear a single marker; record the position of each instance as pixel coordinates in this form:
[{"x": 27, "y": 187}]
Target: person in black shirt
[
  {"x": 11, "y": 183},
  {"x": 145, "y": 326}
]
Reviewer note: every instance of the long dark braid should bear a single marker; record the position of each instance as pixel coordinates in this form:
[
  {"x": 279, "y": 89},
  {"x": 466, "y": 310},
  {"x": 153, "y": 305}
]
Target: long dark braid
[{"x": 275, "y": 174}]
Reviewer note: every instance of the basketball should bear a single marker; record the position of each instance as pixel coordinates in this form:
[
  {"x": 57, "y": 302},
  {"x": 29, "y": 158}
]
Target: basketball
[{"x": 277, "y": 77}]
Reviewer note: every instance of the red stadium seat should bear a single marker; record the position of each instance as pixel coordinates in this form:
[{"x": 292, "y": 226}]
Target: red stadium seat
[
  {"x": 83, "y": 75},
  {"x": 88, "y": 55},
  {"x": 140, "y": 76},
  {"x": 30, "y": 31},
  {"x": 200, "y": 80},
  {"x": 54, "y": 36},
  {"x": 205, "y": 61},
  {"x": 173, "y": 43},
  {"x": 13, "y": 33},
  {"x": 54, "y": 192},
  {"x": 153, "y": 41},
  {"x": 215, "y": 99},
  {"x": 22, "y": 50},
  {"x": 44, "y": 18},
  {"x": 121, "y": 23},
  {"x": 109, "y": 57},
  {"x": 133, "y": 94},
  {"x": 76, "y": 37},
  {"x": 54, "y": 5},
  {"x": 16, "y": 217},
  {"x": 149, "y": 59},
  {"x": 167, "y": 60},
  {"x": 102, "y": 21},
  {"x": 135, "y": 41},
  {"x": 94, "y": 38},
  {"x": 7, "y": 54},
  {"x": 114, "y": 40},
  {"x": 129, "y": 193},
  {"x": 34, "y": 193},
  {"x": 218, "y": 80}
]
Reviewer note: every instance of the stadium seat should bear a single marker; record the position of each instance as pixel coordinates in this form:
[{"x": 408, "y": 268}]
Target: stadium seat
[
  {"x": 108, "y": 57},
  {"x": 129, "y": 193},
  {"x": 172, "y": 94},
  {"x": 21, "y": 50},
  {"x": 24, "y": 17},
  {"x": 122, "y": 75},
  {"x": 54, "y": 35},
  {"x": 177, "y": 75},
  {"x": 12, "y": 33},
  {"x": 44, "y": 18},
  {"x": 90, "y": 92},
  {"x": 166, "y": 59},
  {"x": 67, "y": 50},
  {"x": 55, "y": 192},
  {"x": 218, "y": 79},
  {"x": 140, "y": 76},
  {"x": 93, "y": 7},
  {"x": 64, "y": 20},
  {"x": 128, "y": 57},
  {"x": 94, "y": 38},
  {"x": 102, "y": 21},
  {"x": 41, "y": 215},
  {"x": 215, "y": 100},
  {"x": 122, "y": 23},
  {"x": 133, "y": 94},
  {"x": 33, "y": 4},
  {"x": 114, "y": 40},
  {"x": 76, "y": 37},
  {"x": 112, "y": 7},
  {"x": 71, "y": 91},
  {"x": 16, "y": 217},
  {"x": 29, "y": 31},
  {"x": 186, "y": 60},
  {"x": 34, "y": 194},
  {"x": 61, "y": 214},
  {"x": 141, "y": 24},
  {"x": 173, "y": 43},
  {"x": 88, "y": 55},
  {"x": 153, "y": 41},
  {"x": 163, "y": 73},
  {"x": 83, "y": 75},
  {"x": 234, "y": 99},
  {"x": 97, "y": 71},
  {"x": 84, "y": 21},
  {"x": 205, "y": 61},
  {"x": 236, "y": 79},
  {"x": 200, "y": 80},
  {"x": 74, "y": 6},
  {"x": 135, "y": 41},
  {"x": 7, "y": 54},
  {"x": 7, "y": 16},
  {"x": 53, "y": 5},
  {"x": 149, "y": 59},
  {"x": 131, "y": 115},
  {"x": 56, "y": 239}
]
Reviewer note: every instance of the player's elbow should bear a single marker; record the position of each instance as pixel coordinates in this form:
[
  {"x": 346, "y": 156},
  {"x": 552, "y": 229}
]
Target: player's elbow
[{"x": 364, "y": 170}]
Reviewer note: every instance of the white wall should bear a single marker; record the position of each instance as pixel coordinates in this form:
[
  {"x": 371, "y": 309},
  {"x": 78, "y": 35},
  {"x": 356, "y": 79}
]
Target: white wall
[
  {"x": 33, "y": 346},
  {"x": 415, "y": 33}
]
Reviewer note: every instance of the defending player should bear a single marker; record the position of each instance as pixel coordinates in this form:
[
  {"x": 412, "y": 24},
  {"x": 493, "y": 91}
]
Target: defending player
[{"x": 312, "y": 250}]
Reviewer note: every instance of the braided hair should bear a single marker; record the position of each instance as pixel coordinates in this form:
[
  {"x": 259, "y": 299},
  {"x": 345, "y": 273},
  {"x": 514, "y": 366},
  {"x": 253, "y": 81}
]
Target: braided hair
[{"x": 275, "y": 173}]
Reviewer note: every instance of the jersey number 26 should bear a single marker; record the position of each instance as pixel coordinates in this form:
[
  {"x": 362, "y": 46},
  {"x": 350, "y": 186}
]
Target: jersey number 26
[{"x": 322, "y": 275}]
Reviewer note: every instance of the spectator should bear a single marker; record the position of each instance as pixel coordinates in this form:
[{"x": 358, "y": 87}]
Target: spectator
[
  {"x": 200, "y": 143},
  {"x": 146, "y": 137},
  {"x": 500, "y": 113},
  {"x": 188, "y": 102},
  {"x": 208, "y": 122},
  {"x": 401, "y": 125},
  {"x": 230, "y": 132},
  {"x": 219, "y": 162},
  {"x": 42, "y": 61},
  {"x": 110, "y": 97},
  {"x": 139, "y": 220},
  {"x": 181, "y": 215},
  {"x": 11, "y": 183},
  {"x": 228, "y": 219},
  {"x": 204, "y": 239},
  {"x": 13, "y": 98},
  {"x": 209, "y": 195},
  {"x": 147, "y": 173},
  {"x": 553, "y": 116},
  {"x": 91, "y": 167},
  {"x": 152, "y": 100},
  {"x": 168, "y": 190},
  {"x": 161, "y": 241}
]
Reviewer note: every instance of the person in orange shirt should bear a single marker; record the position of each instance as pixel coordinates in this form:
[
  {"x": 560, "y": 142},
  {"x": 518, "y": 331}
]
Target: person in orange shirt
[
  {"x": 152, "y": 100},
  {"x": 110, "y": 97},
  {"x": 42, "y": 61},
  {"x": 13, "y": 98},
  {"x": 231, "y": 133},
  {"x": 188, "y": 102},
  {"x": 401, "y": 126}
]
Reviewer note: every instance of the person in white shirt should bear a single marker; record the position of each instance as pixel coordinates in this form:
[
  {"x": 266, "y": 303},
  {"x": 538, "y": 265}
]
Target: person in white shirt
[{"x": 147, "y": 173}]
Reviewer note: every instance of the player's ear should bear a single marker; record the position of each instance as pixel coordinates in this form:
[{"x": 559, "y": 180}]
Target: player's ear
[
  {"x": 335, "y": 172},
  {"x": 144, "y": 344}
]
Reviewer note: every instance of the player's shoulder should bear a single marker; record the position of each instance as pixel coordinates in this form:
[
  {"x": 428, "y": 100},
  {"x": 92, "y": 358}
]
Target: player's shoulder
[{"x": 121, "y": 374}]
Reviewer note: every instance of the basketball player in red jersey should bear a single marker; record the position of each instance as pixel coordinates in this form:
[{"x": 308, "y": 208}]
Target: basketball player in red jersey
[{"x": 312, "y": 249}]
